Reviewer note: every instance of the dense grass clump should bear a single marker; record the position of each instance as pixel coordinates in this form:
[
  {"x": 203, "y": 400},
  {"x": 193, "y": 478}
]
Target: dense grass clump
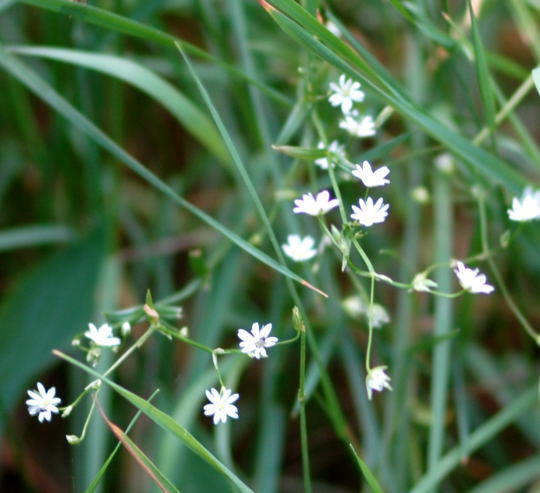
[{"x": 269, "y": 246}]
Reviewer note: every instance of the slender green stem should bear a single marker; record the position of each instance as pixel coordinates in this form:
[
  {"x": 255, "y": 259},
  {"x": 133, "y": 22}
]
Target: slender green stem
[
  {"x": 498, "y": 277},
  {"x": 303, "y": 416}
]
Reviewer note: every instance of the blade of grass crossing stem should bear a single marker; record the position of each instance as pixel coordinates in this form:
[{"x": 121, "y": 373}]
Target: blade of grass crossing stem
[
  {"x": 477, "y": 439},
  {"x": 38, "y": 234},
  {"x": 140, "y": 457},
  {"x": 483, "y": 75},
  {"x": 309, "y": 32},
  {"x": 164, "y": 421},
  {"x": 235, "y": 156},
  {"x": 366, "y": 471},
  {"x": 443, "y": 318},
  {"x": 44, "y": 91},
  {"x": 187, "y": 113},
  {"x": 124, "y": 25},
  {"x": 101, "y": 473}
]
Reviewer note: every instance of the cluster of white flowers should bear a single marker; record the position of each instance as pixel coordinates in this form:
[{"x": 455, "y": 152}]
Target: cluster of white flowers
[
  {"x": 527, "y": 208},
  {"x": 253, "y": 343},
  {"x": 345, "y": 93}
]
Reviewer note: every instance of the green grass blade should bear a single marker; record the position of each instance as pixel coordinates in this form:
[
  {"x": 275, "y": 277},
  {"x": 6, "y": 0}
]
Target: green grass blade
[
  {"x": 187, "y": 113},
  {"x": 479, "y": 437},
  {"x": 366, "y": 471},
  {"x": 44, "y": 91},
  {"x": 164, "y": 421},
  {"x": 101, "y": 473},
  {"x": 309, "y": 32},
  {"x": 30, "y": 236},
  {"x": 140, "y": 457},
  {"x": 109, "y": 20},
  {"x": 483, "y": 75}
]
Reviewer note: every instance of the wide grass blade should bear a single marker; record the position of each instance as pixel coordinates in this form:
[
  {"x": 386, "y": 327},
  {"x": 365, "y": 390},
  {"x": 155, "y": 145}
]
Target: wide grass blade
[
  {"x": 164, "y": 421},
  {"x": 109, "y": 20},
  {"x": 187, "y": 113},
  {"x": 44, "y": 91}
]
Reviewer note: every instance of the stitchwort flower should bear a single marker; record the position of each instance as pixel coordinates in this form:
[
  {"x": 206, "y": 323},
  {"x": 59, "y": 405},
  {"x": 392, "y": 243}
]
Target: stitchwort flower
[
  {"x": 255, "y": 342},
  {"x": 377, "y": 380},
  {"x": 334, "y": 147},
  {"x": 370, "y": 212},
  {"x": 345, "y": 93},
  {"x": 369, "y": 177},
  {"x": 102, "y": 336},
  {"x": 527, "y": 208},
  {"x": 315, "y": 206},
  {"x": 43, "y": 402},
  {"x": 471, "y": 280},
  {"x": 358, "y": 126},
  {"x": 221, "y": 405},
  {"x": 299, "y": 249}
]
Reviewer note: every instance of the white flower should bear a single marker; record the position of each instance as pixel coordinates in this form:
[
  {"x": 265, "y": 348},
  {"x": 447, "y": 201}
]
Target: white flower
[
  {"x": 315, "y": 205},
  {"x": 221, "y": 405},
  {"x": 125, "y": 329},
  {"x": 334, "y": 147},
  {"x": 333, "y": 28},
  {"x": 102, "y": 336},
  {"x": 377, "y": 380},
  {"x": 43, "y": 402},
  {"x": 527, "y": 208},
  {"x": 254, "y": 344},
  {"x": 471, "y": 280},
  {"x": 299, "y": 249},
  {"x": 359, "y": 127},
  {"x": 378, "y": 314},
  {"x": 422, "y": 283},
  {"x": 345, "y": 93},
  {"x": 369, "y": 177},
  {"x": 445, "y": 163},
  {"x": 370, "y": 212}
]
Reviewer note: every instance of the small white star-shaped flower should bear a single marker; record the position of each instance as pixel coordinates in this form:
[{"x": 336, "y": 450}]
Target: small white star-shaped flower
[
  {"x": 43, "y": 402},
  {"x": 315, "y": 206},
  {"x": 371, "y": 178},
  {"x": 377, "y": 380},
  {"x": 370, "y": 212},
  {"x": 527, "y": 208},
  {"x": 345, "y": 93},
  {"x": 299, "y": 249},
  {"x": 334, "y": 147},
  {"x": 378, "y": 314},
  {"x": 102, "y": 336},
  {"x": 254, "y": 343},
  {"x": 359, "y": 127},
  {"x": 471, "y": 280},
  {"x": 221, "y": 405}
]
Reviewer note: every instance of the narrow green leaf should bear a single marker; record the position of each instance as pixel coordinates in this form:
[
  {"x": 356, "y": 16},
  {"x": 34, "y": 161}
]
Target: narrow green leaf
[
  {"x": 140, "y": 457},
  {"x": 366, "y": 471},
  {"x": 307, "y": 153},
  {"x": 103, "y": 469},
  {"x": 482, "y": 73},
  {"x": 45, "y": 92},
  {"x": 163, "y": 420},
  {"x": 38, "y": 234}
]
